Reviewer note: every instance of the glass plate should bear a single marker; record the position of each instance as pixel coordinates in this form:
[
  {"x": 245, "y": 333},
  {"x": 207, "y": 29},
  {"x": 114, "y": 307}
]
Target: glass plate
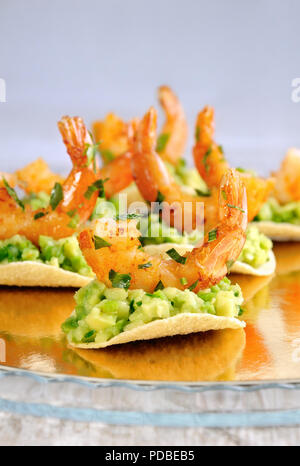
[{"x": 264, "y": 355}]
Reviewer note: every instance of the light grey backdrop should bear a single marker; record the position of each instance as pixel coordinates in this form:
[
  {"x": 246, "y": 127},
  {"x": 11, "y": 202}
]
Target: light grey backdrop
[{"x": 88, "y": 57}]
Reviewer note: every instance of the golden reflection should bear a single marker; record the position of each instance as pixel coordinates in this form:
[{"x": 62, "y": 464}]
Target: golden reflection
[
  {"x": 208, "y": 356},
  {"x": 288, "y": 257}
]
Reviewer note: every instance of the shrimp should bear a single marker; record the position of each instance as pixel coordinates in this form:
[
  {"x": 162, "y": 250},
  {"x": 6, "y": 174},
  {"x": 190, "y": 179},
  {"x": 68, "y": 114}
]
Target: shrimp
[
  {"x": 174, "y": 133},
  {"x": 72, "y": 202},
  {"x": 211, "y": 164},
  {"x": 37, "y": 177},
  {"x": 202, "y": 267},
  {"x": 155, "y": 182},
  {"x": 113, "y": 135},
  {"x": 287, "y": 179},
  {"x": 118, "y": 173}
]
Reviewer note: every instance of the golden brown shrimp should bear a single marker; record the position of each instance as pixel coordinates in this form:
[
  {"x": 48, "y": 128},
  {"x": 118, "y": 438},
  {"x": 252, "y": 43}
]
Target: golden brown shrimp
[
  {"x": 113, "y": 135},
  {"x": 174, "y": 133},
  {"x": 37, "y": 177},
  {"x": 287, "y": 179},
  {"x": 72, "y": 204},
  {"x": 211, "y": 164},
  {"x": 155, "y": 182},
  {"x": 203, "y": 267}
]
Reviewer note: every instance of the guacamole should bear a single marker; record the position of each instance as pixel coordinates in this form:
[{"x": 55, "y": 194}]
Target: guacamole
[
  {"x": 256, "y": 251},
  {"x": 102, "y": 313},
  {"x": 63, "y": 253},
  {"x": 188, "y": 177},
  {"x": 272, "y": 211},
  {"x": 155, "y": 231},
  {"x": 37, "y": 201}
]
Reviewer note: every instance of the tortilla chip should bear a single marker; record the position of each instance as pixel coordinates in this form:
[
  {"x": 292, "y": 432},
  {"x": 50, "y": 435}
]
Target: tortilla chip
[
  {"x": 238, "y": 267},
  {"x": 37, "y": 274},
  {"x": 279, "y": 231},
  {"x": 208, "y": 356},
  {"x": 181, "y": 324}
]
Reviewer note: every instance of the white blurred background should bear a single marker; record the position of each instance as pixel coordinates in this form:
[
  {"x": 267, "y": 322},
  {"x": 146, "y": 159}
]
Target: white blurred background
[{"x": 88, "y": 57}]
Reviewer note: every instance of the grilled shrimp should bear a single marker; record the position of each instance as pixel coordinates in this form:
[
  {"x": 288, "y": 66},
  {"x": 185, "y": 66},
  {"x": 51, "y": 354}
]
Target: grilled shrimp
[
  {"x": 70, "y": 201},
  {"x": 173, "y": 137},
  {"x": 211, "y": 164},
  {"x": 201, "y": 268},
  {"x": 155, "y": 182},
  {"x": 287, "y": 179}
]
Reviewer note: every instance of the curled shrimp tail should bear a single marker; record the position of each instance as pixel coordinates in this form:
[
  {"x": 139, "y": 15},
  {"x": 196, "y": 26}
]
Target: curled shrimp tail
[
  {"x": 148, "y": 169},
  {"x": 75, "y": 137},
  {"x": 208, "y": 156},
  {"x": 175, "y": 129}
]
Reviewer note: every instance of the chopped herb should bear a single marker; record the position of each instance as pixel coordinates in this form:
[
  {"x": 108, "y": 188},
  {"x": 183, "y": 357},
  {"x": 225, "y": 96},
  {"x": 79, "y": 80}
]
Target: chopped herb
[
  {"x": 193, "y": 286},
  {"x": 203, "y": 193},
  {"x": 107, "y": 155},
  {"x": 183, "y": 281},
  {"x": 235, "y": 207},
  {"x": 139, "y": 303},
  {"x": 160, "y": 197},
  {"x": 74, "y": 222},
  {"x": 12, "y": 193},
  {"x": 221, "y": 149},
  {"x": 162, "y": 141},
  {"x": 229, "y": 264},
  {"x": 97, "y": 186},
  {"x": 128, "y": 216},
  {"x": 91, "y": 152},
  {"x": 72, "y": 213},
  {"x": 241, "y": 312},
  {"x": 119, "y": 280},
  {"x": 176, "y": 256},
  {"x": 57, "y": 195},
  {"x": 89, "y": 336},
  {"x": 224, "y": 195},
  {"x": 212, "y": 235},
  {"x": 197, "y": 134},
  {"x": 241, "y": 170},
  {"x": 159, "y": 286},
  {"x": 206, "y": 155},
  {"x": 145, "y": 266},
  {"x": 100, "y": 243},
  {"x": 39, "y": 215}
]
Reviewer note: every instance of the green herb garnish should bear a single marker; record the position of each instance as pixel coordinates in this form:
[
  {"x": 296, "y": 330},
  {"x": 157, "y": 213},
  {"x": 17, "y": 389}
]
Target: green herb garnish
[
  {"x": 97, "y": 186},
  {"x": 197, "y": 134},
  {"x": 39, "y": 215},
  {"x": 159, "y": 286},
  {"x": 224, "y": 195},
  {"x": 183, "y": 281},
  {"x": 229, "y": 264},
  {"x": 107, "y": 155},
  {"x": 160, "y": 197},
  {"x": 206, "y": 155},
  {"x": 100, "y": 243},
  {"x": 203, "y": 193},
  {"x": 89, "y": 337},
  {"x": 57, "y": 196},
  {"x": 12, "y": 193},
  {"x": 91, "y": 152},
  {"x": 176, "y": 256},
  {"x": 212, "y": 235},
  {"x": 145, "y": 266},
  {"x": 119, "y": 280},
  {"x": 235, "y": 207},
  {"x": 193, "y": 286},
  {"x": 162, "y": 141}
]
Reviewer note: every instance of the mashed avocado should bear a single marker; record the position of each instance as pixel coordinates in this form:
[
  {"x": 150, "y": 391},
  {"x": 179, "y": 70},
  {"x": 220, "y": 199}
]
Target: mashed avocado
[
  {"x": 37, "y": 201},
  {"x": 18, "y": 249},
  {"x": 102, "y": 313},
  {"x": 155, "y": 231},
  {"x": 257, "y": 248},
  {"x": 64, "y": 253},
  {"x": 188, "y": 177},
  {"x": 272, "y": 211}
]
